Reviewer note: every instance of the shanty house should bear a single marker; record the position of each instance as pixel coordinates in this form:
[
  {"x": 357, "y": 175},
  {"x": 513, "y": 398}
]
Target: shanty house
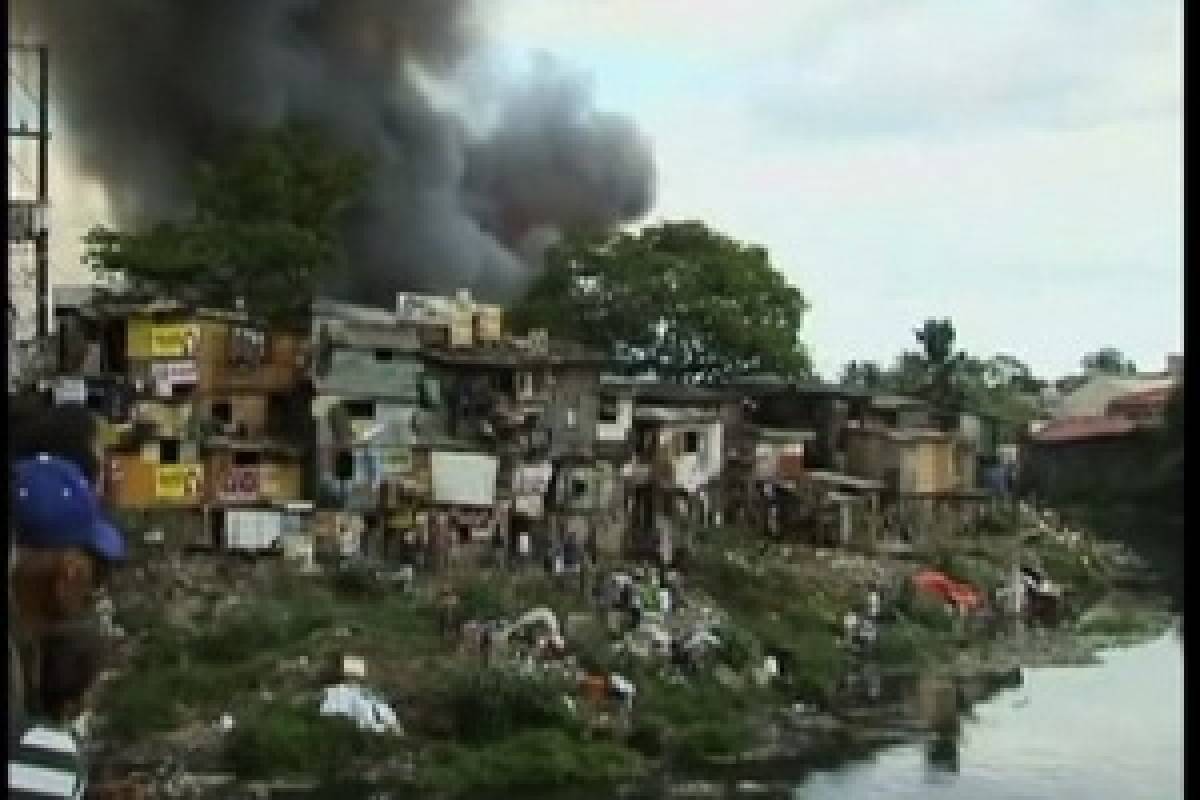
[
  {"x": 1080, "y": 457},
  {"x": 678, "y": 458}
]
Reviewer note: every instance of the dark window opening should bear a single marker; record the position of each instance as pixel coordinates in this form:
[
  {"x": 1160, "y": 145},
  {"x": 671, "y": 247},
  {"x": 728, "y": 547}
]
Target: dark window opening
[
  {"x": 113, "y": 340},
  {"x": 181, "y": 390},
  {"x": 278, "y": 413},
  {"x": 383, "y": 354},
  {"x": 168, "y": 451},
  {"x": 360, "y": 409},
  {"x": 691, "y": 442},
  {"x": 608, "y": 411},
  {"x": 223, "y": 412},
  {"x": 464, "y": 534},
  {"x": 246, "y": 458},
  {"x": 343, "y": 465},
  {"x": 97, "y": 399},
  {"x": 578, "y": 488}
]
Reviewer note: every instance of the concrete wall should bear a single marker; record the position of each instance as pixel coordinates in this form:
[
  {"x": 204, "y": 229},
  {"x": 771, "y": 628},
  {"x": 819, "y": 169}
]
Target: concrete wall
[{"x": 362, "y": 372}]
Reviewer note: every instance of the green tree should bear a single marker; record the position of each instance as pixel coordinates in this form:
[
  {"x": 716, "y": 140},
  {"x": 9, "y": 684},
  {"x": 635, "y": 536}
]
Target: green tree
[
  {"x": 943, "y": 365},
  {"x": 676, "y": 299},
  {"x": 1108, "y": 361},
  {"x": 863, "y": 375},
  {"x": 264, "y": 226}
]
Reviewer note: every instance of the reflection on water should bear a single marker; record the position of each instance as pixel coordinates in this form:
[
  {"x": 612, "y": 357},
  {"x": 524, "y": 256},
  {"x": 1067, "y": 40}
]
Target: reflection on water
[{"x": 1088, "y": 733}]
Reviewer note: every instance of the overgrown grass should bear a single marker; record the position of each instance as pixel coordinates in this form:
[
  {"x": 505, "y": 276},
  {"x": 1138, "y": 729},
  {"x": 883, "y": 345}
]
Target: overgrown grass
[
  {"x": 179, "y": 675},
  {"x": 481, "y": 705},
  {"x": 693, "y": 722},
  {"x": 279, "y": 740},
  {"x": 1108, "y": 620},
  {"x": 535, "y": 757}
]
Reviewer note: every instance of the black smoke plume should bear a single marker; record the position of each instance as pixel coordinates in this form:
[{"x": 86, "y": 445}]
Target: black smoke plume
[{"x": 147, "y": 88}]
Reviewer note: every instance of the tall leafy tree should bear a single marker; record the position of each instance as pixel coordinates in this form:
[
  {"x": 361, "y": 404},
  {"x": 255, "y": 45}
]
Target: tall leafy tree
[
  {"x": 678, "y": 300},
  {"x": 1108, "y": 361},
  {"x": 263, "y": 228}
]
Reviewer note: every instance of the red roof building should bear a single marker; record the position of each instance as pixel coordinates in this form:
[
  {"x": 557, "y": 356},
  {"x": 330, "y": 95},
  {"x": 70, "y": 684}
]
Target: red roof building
[
  {"x": 1073, "y": 429},
  {"x": 1148, "y": 405}
]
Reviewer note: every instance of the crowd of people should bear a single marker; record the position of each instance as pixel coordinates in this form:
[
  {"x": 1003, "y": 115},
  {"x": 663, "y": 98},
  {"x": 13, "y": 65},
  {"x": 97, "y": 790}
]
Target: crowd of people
[{"x": 61, "y": 551}]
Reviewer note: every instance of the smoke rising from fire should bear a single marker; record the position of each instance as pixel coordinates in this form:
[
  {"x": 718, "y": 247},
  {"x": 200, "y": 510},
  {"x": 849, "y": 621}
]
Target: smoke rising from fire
[{"x": 147, "y": 88}]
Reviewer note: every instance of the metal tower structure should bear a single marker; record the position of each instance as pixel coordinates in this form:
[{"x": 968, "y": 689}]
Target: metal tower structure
[{"x": 29, "y": 172}]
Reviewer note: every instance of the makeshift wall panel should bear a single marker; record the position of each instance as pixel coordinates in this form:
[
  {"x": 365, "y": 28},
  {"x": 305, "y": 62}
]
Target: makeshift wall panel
[{"x": 464, "y": 479}]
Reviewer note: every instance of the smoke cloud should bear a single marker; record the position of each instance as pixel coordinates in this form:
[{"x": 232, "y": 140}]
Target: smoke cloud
[{"x": 149, "y": 87}]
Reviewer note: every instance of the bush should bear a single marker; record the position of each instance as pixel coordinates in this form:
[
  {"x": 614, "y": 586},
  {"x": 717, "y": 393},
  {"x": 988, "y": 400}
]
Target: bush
[
  {"x": 282, "y": 740},
  {"x": 925, "y": 611},
  {"x": 356, "y": 581},
  {"x": 703, "y": 741},
  {"x": 737, "y": 648},
  {"x": 482, "y": 599},
  {"x": 483, "y": 705},
  {"x": 537, "y": 757}
]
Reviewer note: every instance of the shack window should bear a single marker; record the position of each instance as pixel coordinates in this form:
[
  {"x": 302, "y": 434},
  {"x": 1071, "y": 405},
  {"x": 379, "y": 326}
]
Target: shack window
[
  {"x": 360, "y": 409},
  {"x": 383, "y": 354},
  {"x": 572, "y": 418},
  {"x": 168, "y": 451},
  {"x": 343, "y": 465},
  {"x": 691, "y": 442},
  {"x": 246, "y": 458},
  {"x": 578, "y": 488},
  {"x": 223, "y": 412},
  {"x": 607, "y": 412}
]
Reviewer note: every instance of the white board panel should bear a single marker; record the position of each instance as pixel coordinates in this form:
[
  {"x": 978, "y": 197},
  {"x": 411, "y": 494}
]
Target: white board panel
[{"x": 463, "y": 479}]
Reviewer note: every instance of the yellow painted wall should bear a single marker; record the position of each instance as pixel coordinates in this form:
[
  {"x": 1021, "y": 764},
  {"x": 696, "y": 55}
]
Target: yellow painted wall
[{"x": 132, "y": 482}]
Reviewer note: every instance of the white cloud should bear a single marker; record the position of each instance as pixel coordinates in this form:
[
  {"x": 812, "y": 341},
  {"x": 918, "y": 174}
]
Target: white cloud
[
  {"x": 934, "y": 66},
  {"x": 1012, "y": 164}
]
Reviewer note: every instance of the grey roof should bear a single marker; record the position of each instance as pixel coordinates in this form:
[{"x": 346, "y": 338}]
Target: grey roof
[
  {"x": 666, "y": 393},
  {"x": 848, "y": 481},
  {"x": 782, "y": 434},
  {"x": 375, "y": 337}
]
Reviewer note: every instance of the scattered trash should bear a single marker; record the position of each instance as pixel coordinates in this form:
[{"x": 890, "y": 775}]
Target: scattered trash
[
  {"x": 226, "y": 723},
  {"x": 361, "y": 705},
  {"x": 540, "y": 615},
  {"x": 354, "y": 667},
  {"x": 961, "y": 595},
  {"x": 154, "y": 536},
  {"x": 622, "y": 689}
]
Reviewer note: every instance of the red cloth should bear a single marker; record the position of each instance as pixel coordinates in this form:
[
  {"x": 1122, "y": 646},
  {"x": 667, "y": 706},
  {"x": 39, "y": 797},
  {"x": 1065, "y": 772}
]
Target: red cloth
[{"x": 960, "y": 594}]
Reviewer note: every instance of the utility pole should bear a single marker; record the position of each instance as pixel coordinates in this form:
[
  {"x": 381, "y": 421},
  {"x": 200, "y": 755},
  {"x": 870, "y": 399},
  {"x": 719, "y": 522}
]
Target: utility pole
[{"x": 28, "y": 217}]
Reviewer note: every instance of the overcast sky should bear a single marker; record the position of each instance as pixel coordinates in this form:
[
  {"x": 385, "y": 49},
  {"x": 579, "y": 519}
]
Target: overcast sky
[{"x": 1014, "y": 165}]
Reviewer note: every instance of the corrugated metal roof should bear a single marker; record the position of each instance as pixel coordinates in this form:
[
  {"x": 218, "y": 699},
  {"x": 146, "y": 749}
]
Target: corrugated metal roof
[{"x": 1074, "y": 429}]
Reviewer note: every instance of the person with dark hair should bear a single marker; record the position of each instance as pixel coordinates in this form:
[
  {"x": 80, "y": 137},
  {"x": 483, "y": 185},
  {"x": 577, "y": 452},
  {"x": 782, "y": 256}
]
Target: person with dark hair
[{"x": 47, "y": 761}]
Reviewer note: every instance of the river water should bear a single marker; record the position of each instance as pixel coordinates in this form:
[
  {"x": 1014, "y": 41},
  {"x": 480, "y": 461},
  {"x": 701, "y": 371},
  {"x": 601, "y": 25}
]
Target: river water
[{"x": 1113, "y": 731}]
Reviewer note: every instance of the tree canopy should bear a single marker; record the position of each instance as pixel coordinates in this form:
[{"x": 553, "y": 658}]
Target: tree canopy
[
  {"x": 1001, "y": 387},
  {"x": 263, "y": 227},
  {"x": 678, "y": 300},
  {"x": 1108, "y": 361}
]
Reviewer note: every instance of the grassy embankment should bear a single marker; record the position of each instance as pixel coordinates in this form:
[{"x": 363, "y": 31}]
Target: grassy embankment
[{"x": 470, "y": 727}]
